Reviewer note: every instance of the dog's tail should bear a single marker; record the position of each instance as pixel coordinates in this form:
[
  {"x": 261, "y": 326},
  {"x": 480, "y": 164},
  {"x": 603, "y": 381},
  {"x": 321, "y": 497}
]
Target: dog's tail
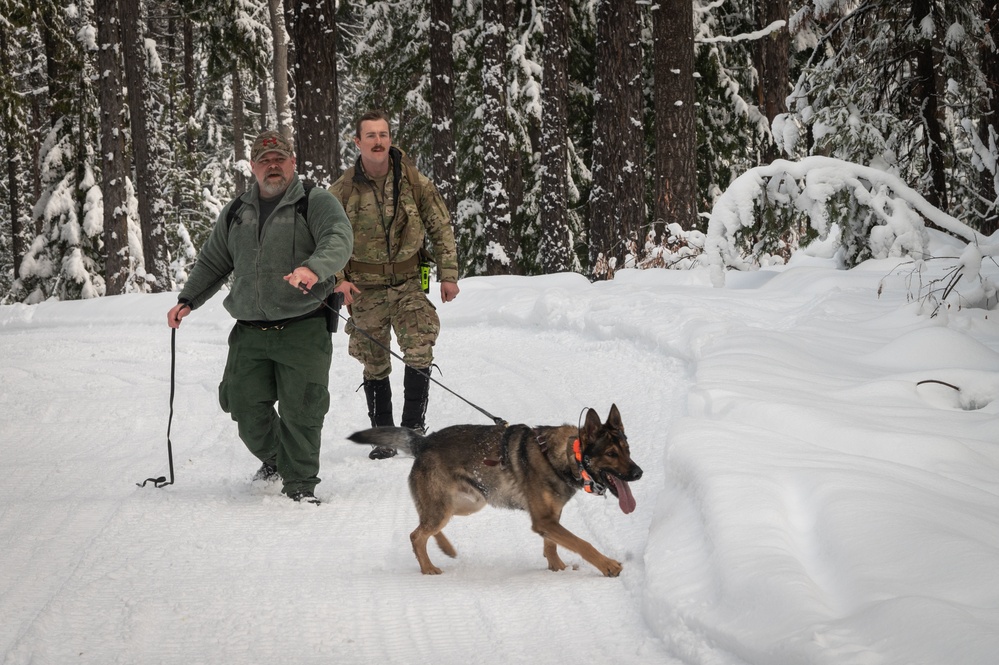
[{"x": 402, "y": 439}]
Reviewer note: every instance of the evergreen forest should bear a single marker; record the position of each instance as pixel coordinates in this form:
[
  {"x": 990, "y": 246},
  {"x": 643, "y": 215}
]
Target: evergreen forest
[{"x": 564, "y": 135}]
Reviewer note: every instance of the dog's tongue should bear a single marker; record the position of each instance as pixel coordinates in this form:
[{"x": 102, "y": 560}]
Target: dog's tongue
[{"x": 624, "y": 496}]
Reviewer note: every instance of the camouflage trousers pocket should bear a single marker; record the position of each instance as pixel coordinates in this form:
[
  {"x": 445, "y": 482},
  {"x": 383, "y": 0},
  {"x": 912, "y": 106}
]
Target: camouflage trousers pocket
[{"x": 418, "y": 323}]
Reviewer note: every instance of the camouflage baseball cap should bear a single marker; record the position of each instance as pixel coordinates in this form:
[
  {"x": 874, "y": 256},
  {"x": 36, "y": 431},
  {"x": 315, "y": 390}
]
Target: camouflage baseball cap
[{"x": 270, "y": 141}]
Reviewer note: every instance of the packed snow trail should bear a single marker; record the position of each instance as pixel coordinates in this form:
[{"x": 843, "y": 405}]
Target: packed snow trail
[
  {"x": 807, "y": 498},
  {"x": 219, "y": 569}
]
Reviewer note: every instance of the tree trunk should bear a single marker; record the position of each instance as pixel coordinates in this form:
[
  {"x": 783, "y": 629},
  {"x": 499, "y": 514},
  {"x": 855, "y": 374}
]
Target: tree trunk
[
  {"x": 554, "y": 246},
  {"x": 280, "y": 40},
  {"x": 10, "y": 131},
  {"x": 675, "y": 170},
  {"x": 37, "y": 80},
  {"x": 265, "y": 105},
  {"x": 495, "y": 143},
  {"x": 988, "y": 127},
  {"x": 238, "y": 127},
  {"x": 617, "y": 208},
  {"x": 112, "y": 149},
  {"x": 316, "y": 103},
  {"x": 154, "y": 250},
  {"x": 189, "y": 85},
  {"x": 772, "y": 55},
  {"x": 929, "y": 102},
  {"x": 442, "y": 109}
]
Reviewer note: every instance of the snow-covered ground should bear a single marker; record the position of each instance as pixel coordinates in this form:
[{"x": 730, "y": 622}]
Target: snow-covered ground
[{"x": 805, "y": 499}]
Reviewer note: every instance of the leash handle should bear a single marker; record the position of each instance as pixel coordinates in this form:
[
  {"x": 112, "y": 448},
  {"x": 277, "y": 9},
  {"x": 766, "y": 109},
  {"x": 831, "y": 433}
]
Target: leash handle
[
  {"x": 162, "y": 481},
  {"x": 496, "y": 419}
]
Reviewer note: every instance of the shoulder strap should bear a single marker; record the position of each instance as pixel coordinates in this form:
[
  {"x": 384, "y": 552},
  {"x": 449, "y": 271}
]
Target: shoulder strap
[
  {"x": 413, "y": 175},
  {"x": 347, "y": 188},
  {"x": 234, "y": 207},
  {"x": 302, "y": 207}
]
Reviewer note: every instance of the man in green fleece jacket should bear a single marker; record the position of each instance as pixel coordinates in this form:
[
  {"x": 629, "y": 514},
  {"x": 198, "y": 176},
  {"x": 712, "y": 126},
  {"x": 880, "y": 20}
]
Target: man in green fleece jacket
[{"x": 280, "y": 349}]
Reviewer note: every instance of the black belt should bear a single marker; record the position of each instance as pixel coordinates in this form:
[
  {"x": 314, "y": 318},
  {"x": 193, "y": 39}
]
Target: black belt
[{"x": 279, "y": 324}]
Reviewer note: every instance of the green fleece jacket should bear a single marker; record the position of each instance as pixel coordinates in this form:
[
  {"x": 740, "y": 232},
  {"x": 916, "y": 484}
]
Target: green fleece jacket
[{"x": 258, "y": 259}]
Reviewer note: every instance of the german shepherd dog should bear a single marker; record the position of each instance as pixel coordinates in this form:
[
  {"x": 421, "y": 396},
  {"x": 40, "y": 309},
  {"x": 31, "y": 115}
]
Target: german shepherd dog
[{"x": 460, "y": 469}]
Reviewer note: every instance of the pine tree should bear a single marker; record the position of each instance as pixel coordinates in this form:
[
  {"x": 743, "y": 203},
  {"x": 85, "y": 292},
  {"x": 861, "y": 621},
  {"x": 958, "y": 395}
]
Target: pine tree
[
  {"x": 730, "y": 127},
  {"x": 279, "y": 37},
  {"x": 495, "y": 145},
  {"x": 675, "y": 182},
  {"x": 988, "y": 110},
  {"x": 444, "y": 153},
  {"x": 554, "y": 247},
  {"x": 114, "y": 171},
  {"x": 524, "y": 119},
  {"x": 874, "y": 92},
  {"x": 15, "y": 133},
  {"x": 154, "y": 246},
  {"x": 617, "y": 202},
  {"x": 65, "y": 258},
  {"x": 772, "y": 60},
  {"x": 316, "y": 98}
]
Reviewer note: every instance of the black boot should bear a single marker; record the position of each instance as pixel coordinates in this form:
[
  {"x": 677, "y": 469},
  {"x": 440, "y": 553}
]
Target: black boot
[
  {"x": 379, "y": 396},
  {"x": 416, "y": 386}
]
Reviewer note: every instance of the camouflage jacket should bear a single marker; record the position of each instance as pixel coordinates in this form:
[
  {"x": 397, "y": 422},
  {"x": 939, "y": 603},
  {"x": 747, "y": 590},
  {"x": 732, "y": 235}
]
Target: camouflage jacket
[
  {"x": 395, "y": 232},
  {"x": 258, "y": 261}
]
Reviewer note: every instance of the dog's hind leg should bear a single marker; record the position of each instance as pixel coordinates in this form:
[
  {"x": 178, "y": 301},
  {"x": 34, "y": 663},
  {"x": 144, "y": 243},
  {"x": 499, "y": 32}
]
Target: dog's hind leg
[
  {"x": 434, "y": 515},
  {"x": 419, "y": 538}
]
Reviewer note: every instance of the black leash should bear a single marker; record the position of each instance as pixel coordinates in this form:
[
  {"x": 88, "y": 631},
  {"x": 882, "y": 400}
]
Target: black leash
[
  {"x": 496, "y": 420},
  {"x": 162, "y": 481}
]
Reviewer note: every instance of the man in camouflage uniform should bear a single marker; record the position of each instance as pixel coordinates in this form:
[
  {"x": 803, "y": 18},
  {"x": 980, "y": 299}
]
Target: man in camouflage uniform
[{"x": 393, "y": 208}]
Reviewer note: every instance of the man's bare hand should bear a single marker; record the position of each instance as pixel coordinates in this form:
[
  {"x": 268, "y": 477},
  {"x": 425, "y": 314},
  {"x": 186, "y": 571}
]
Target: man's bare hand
[
  {"x": 176, "y": 313},
  {"x": 449, "y": 291},
  {"x": 302, "y": 278},
  {"x": 348, "y": 290}
]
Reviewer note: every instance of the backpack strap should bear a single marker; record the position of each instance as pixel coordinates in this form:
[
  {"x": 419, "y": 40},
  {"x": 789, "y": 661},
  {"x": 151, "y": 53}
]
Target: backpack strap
[
  {"x": 348, "y": 187},
  {"x": 413, "y": 175},
  {"x": 234, "y": 207},
  {"x": 302, "y": 207}
]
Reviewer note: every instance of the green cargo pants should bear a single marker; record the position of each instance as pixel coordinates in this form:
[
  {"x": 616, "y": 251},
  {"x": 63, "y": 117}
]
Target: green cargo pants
[
  {"x": 404, "y": 309},
  {"x": 289, "y": 366}
]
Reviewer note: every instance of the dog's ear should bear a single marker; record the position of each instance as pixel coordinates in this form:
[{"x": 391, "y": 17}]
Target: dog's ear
[
  {"x": 614, "y": 419},
  {"x": 591, "y": 426}
]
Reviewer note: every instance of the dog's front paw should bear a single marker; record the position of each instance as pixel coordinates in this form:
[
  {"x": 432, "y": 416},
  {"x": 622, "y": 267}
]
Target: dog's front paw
[
  {"x": 431, "y": 570},
  {"x": 611, "y": 568}
]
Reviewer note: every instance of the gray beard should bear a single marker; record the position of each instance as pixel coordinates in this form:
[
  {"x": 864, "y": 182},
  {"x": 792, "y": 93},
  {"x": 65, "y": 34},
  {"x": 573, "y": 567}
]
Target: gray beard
[{"x": 270, "y": 188}]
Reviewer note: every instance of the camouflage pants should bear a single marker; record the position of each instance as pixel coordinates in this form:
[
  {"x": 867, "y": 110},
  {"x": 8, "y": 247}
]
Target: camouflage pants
[{"x": 404, "y": 309}]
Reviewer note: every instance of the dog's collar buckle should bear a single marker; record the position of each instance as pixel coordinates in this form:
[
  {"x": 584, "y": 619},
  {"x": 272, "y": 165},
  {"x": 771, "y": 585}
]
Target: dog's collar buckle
[{"x": 590, "y": 486}]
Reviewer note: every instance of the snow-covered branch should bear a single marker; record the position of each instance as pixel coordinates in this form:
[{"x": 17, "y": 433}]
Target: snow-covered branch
[
  {"x": 807, "y": 186},
  {"x": 746, "y": 36}
]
